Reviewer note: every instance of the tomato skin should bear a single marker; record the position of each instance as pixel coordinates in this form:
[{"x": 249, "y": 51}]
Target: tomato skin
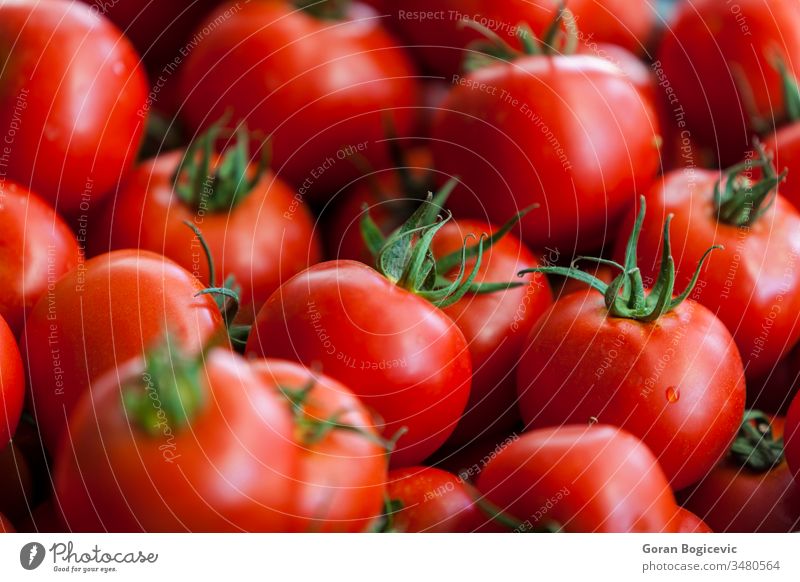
[
  {"x": 587, "y": 479},
  {"x": 603, "y": 126},
  {"x": 288, "y": 75},
  {"x": 706, "y": 53},
  {"x": 267, "y": 237},
  {"x": 73, "y": 85},
  {"x": 750, "y": 284},
  {"x": 734, "y": 499},
  {"x": 402, "y": 356},
  {"x": 495, "y": 326},
  {"x": 5, "y": 525},
  {"x": 792, "y": 438},
  {"x": 433, "y": 501},
  {"x": 784, "y": 144},
  {"x": 687, "y": 522},
  {"x": 12, "y": 383},
  {"x": 677, "y": 383},
  {"x": 36, "y": 247},
  {"x": 237, "y": 467},
  {"x": 103, "y": 313},
  {"x": 630, "y": 24}
]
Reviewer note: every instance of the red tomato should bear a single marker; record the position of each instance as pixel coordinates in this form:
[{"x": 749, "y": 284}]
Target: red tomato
[
  {"x": 5, "y": 525},
  {"x": 495, "y": 326},
  {"x": 256, "y": 451},
  {"x": 570, "y": 133},
  {"x": 744, "y": 495},
  {"x": 262, "y": 238},
  {"x": 752, "y": 284},
  {"x": 399, "y": 353},
  {"x": 12, "y": 384},
  {"x": 107, "y": 311},
  {"x": 430, "y": 500},
  {"x": 580, "y": 479},
  {"x": 631, "y": 24},
  {"x": 69, "y": 96},
  {"x": 320, "y": 87},
  {"x": 718, "y": 59},
  {"x": 36, "y": 249},
  {"x": 638, "y": 73},
  {"x": 687, "y": 522},
  {"x": 792, "y": 438},
  {"x": 467, "y": 461}
]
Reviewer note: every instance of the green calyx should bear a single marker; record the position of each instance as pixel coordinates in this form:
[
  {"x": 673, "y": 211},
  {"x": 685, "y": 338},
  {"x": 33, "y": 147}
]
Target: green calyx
[
  {"x": 738, "y": 200},
  {"x": 791, "y": 90},
  {"x": 324, "y": 9},
  {"x": 755, "y": 447},
  {"x": 626, "y": 296},
  {"x": 492, "y": 47},
  {"x": 203, "y": 185},
  {"x": 169, "y": 394},
  {"x": 227, "y": 296},
  {"x": 406, "y": 258},
  {"x": 311, "y": 430}
]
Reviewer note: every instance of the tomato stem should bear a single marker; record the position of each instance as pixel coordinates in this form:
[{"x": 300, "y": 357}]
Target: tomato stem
[
  {"x": 626, "y": 296},
  {"x": 324, "y": 9},
  {"x": 742, "y": 202},
  {"x": 755, "y": 447},
  {"x": 791, "y": 90}
]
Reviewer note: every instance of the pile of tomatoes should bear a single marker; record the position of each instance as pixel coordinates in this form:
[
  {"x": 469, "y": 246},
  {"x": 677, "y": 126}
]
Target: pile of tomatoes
[{"x": 419, "y": 266}]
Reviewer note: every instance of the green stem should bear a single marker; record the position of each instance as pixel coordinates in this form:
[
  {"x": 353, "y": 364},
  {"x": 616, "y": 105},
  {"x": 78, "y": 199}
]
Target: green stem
[
  {"x": 755, "y": 447},
  {"x": 324, "y": 9}
]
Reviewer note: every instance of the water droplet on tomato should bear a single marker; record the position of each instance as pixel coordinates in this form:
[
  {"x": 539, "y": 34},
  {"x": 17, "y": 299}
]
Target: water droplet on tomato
[{"x": 673, "y": 394}]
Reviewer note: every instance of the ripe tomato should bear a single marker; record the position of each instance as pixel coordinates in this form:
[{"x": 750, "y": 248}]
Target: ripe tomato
[
  {"x": 665, "y": 369},
  {"x": 495, "y": 326},
  {"x": 320, "y": 87},
  {"x": 36, "y": 249},
  {"x": 69, "y": 95},
  {"x": 399, "y": 353},
  {"x": 5, "y": 525},
  {"x": 752, "y": 283},
  {"x": 687, "y": 522},
  {"x": 570, "y": 133},
  {"x": 265, "y": 446},
  {"x": 580, "y": 479},
  {"x": 425, "y": 499},
  {"x": 792, "y": 438},
  {"x": 630, "y": 24},
  {"x": 12, "y": 384},
  {"x": 256, "y": 227},
  {"x": 719, "y": 59},
  {"x": 752, "y": 490},
  {"x": 107, "y": 311}
]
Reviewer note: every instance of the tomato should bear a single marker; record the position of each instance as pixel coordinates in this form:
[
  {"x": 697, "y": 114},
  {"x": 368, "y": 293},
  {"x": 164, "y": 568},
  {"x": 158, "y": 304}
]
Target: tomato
[
  {"x": 665, "y": 369},
  {"x": 752, "y": 490},
  {"x": 435, "y": 30},
  {"x": 107, "y": 311},
  {"x": 5, "y": 525},
  {"x": 70, "y": 90},
  {"x": 12, "y": 383},
  {"x": 255, "y": 451},
  {"x": 784, "y": 144},
  {"x": 580, "y": 479},
  {"x": 467, "y": 461},
  {"x": 638, "y": 73},
  {"x": 792, "y": 438},
  {"x": 257, "y": 228},
  {"x": 320, "y": 87},
  {"x": 719, "y": 60},
  {"x": 752, "y": 284},
  {"x": 570, "y": 133},
  {"x": 399, "y": 353},
  {"x": 495, "y": 326},
  {"x": 687, "y": 522},
  {"x": 36, "y": 248},
  {"x": 425, "y": 499}
]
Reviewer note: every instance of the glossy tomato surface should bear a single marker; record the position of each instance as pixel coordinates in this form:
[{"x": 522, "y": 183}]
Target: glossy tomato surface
[
  {"x": 320, "y": 88},
  {"x": 241, "y": 464},
  {"x": 402, "y": 356},
  {"x": 70, "y": 92},
  {"x": 12, "y": 383},
  {"x": 107, "y": 311},
  {"x": 36, "y": 249},
  {"x": 676, "y": 383},
  {"x": 580, "y": 479},
  {"x": 570, "y": 133}
]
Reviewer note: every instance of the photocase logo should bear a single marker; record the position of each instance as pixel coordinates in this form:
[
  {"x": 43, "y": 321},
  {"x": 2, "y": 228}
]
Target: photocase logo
[{"x": 31, "y": 555}]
